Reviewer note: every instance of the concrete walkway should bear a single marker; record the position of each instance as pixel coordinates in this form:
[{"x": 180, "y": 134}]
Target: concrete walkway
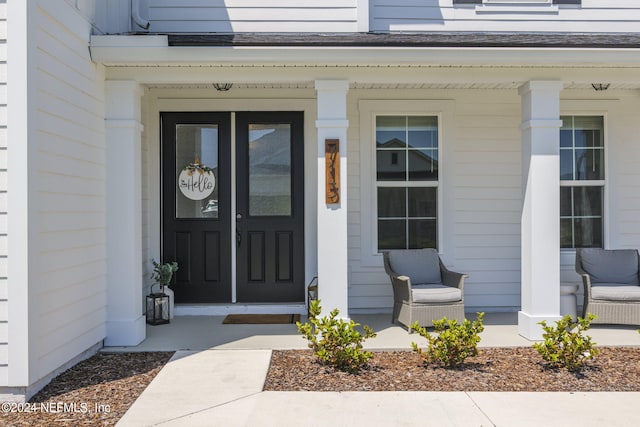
[{"x": 221, "y": 385}]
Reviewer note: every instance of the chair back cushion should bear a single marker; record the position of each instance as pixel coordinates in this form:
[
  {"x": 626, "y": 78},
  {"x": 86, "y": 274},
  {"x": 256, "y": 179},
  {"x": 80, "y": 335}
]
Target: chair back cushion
[
  {"x": 422, "y": 266},
  {"x": 611, "y": 266}
]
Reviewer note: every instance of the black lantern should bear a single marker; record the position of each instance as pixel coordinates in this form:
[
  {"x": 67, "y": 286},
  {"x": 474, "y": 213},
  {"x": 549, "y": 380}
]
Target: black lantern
[
  {"x": 312, "y": 293},
  {"x": 157, "y": 309}
]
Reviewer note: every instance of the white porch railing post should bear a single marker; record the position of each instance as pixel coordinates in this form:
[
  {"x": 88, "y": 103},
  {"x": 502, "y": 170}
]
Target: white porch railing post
[
  {"x": 125, "y": 320},
  {"x": 333, "y": 273},
  {"x": 540, "y": 223}
]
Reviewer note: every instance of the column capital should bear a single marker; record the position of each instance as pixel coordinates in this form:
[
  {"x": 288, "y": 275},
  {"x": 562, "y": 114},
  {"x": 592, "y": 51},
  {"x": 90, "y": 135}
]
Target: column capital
[
  {"x": 123, "y": 99},
  {"x": 540, "y": 85}
]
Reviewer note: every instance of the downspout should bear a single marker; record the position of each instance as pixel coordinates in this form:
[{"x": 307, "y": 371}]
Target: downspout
[{"x": 135, "y": 14}]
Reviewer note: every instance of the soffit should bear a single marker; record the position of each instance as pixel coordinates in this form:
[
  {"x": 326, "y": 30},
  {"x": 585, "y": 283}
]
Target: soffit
[{"x": 399, "y": 86}]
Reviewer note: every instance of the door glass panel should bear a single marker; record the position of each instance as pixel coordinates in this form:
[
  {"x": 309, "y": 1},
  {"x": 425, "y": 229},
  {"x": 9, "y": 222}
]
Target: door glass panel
[
  {"x": 196, "y": 171},
  {"x": 270, "y": 169}
]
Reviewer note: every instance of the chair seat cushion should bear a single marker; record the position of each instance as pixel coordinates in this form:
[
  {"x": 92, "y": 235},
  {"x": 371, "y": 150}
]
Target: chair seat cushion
[
  {"x": 435, "y": 293},
  {"x": 613, "y": 292}
]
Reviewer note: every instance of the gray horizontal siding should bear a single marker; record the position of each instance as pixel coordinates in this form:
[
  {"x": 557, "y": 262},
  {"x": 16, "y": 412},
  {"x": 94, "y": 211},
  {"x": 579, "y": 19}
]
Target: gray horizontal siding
[
  {"x": 226, "y": 16},
  {"x": 443, "y": 15}
]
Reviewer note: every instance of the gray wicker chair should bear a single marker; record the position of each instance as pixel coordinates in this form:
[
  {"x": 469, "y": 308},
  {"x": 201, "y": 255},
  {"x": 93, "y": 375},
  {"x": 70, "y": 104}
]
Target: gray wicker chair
[
  {"x": 424, "y": 290},
  {"x": 611, "y": 284}
]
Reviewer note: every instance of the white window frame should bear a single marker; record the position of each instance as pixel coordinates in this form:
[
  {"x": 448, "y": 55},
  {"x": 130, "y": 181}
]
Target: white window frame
[
  {"x": 593, "y": 183},
  {"x": 369, "y": 110}
]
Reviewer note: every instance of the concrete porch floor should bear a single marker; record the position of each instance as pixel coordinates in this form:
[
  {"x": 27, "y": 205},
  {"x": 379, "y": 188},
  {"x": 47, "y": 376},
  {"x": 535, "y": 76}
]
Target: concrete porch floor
[{"x": 208, "y": 332}]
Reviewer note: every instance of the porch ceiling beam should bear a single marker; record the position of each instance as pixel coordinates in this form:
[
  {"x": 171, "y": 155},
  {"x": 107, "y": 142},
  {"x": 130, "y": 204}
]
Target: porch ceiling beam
[
  {"x": 370, "y": 75},
  {"x": 112, "y": 50}
]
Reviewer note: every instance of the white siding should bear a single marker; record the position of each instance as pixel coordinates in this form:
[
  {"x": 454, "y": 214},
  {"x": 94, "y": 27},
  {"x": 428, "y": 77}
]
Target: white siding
[
  {"x": 441, "y": 15},
  {"x": 484, "y": 198},
  {"x": 487, "y": 199},
  {"x": 624, "y": 175},
  {"x": 227, "y": 16},
  {"x": 3, "y": 196},
  {"x": 68, "y": 290}
]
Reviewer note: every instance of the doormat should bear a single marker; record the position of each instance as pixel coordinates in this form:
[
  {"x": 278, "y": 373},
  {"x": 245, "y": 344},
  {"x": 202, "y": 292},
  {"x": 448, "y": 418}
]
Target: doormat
[{"x": 257, "y": 319}]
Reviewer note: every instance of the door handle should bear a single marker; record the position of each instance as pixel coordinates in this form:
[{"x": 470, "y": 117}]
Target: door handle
[{"x": 238, "y": 237}]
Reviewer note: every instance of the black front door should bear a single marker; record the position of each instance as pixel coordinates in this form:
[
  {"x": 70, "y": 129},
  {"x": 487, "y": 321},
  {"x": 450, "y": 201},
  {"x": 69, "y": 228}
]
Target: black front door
[
  {"x": 197, "y": 198},
  {"x": 196, "y": 201},
  {"x": 270, "y": 207}
]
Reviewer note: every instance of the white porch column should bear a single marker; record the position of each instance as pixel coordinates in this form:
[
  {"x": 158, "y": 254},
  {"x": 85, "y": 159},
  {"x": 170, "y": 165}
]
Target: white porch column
[
  {"x": 333, "y": 274},
  {"x": 540, "y": 224},
  {"x": 125, "y": 320}
]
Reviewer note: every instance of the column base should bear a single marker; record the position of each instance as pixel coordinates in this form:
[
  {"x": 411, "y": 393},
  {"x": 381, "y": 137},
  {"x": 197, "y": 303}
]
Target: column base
[
  {"x": 126, "y": 332},
  {"x": 528, "y": 325}
]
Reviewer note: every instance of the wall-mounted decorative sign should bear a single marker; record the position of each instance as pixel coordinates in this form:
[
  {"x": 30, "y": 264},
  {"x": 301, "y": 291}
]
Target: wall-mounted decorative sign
[
  {"x": 332, "y": 170},
  {"x": 197, "y": 181}
]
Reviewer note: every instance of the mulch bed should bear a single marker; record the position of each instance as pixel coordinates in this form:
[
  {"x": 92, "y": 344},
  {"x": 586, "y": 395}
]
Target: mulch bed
[
  {"x": 99, "y": 390},
  {"x": 494, "y": 369},
  {"x": 95, "y": 392}
]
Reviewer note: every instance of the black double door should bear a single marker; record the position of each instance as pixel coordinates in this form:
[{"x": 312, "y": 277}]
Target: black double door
[{"x": 264, "y": 192}]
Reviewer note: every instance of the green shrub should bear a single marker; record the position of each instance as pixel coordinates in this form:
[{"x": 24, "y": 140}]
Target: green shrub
[
  {"x": 336, "y": 342},
  {"x": 565, "y": 345},
  {"x": 453, "y": 343}
]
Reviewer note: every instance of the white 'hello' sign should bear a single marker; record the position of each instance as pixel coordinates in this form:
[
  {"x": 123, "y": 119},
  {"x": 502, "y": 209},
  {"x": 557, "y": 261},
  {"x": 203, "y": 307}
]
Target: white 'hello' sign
[{"x": 196, "y": 181}]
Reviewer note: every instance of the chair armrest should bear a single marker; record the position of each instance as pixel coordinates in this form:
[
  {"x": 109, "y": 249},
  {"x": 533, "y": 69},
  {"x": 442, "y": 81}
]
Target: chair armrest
[
  {"x": 586, "y": 279},
  {"x": 455, "y": 280},
  {"x": 452, "y": 278},
  {"x": 401, "y": 288},
  {"x": 586, "y": 283},
  {"x": 401, "y": 284}
]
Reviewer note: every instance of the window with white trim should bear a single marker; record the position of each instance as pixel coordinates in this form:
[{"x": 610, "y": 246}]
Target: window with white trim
[
  {"x": 407, "y": 181},
  {"x": 582, "y": 181}
]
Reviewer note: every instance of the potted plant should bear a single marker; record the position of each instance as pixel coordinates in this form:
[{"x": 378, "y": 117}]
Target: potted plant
[{"x": 162, "y": 275}]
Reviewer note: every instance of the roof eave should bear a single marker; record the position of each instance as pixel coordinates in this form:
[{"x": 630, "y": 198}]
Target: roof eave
[{"x": 125, "y": 50}]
